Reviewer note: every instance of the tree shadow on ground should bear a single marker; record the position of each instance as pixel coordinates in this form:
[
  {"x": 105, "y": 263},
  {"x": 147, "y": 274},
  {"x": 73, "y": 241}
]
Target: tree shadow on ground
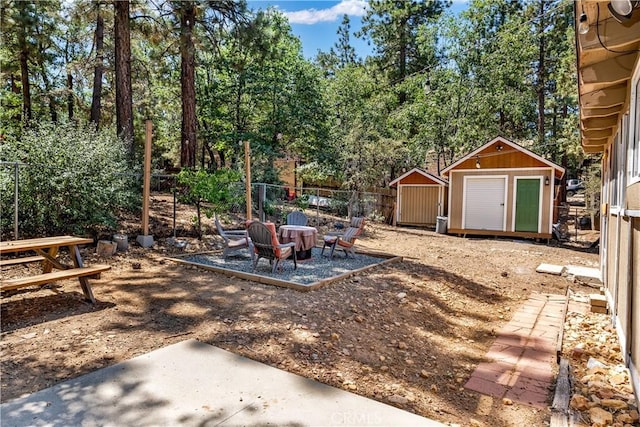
[
  {"x": 358, "y": 327},
  {"x": 37, "y": 309}
]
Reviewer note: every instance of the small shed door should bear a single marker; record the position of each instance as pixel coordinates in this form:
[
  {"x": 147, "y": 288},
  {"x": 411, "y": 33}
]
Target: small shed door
[
  {"x": 419, "y": 204},
  {"x": 527, "y": 204},
  {"x": 484, "y": 207}
]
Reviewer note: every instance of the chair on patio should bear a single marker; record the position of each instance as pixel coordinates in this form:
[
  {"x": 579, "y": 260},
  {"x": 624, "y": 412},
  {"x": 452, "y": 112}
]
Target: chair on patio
[
  {"x": 296, "y": 218},
  {"x": 234, "y": 240},
  {"x": 345, "y": 240},
  {"x": 266, "y": 245}
]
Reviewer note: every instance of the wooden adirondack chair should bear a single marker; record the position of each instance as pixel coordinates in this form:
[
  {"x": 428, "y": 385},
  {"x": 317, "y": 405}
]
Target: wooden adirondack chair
[
  {"x": 345, "y": 240},
  {"x": 266, "y": 245},
  {"x": 296, "y": 218},
  {"x": 234, "y": 240}
]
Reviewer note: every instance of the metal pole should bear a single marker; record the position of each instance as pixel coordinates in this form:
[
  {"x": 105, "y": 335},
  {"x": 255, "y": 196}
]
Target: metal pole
[{"x": 16, "y": 174}]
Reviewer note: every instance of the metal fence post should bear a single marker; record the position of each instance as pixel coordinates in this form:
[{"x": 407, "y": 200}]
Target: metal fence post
[{"x": 262, "y": 197}]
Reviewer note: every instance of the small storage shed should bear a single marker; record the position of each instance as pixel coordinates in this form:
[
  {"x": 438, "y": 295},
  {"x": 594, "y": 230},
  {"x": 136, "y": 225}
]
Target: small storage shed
[
  {"x": 502, "y": 189},
  {"x": 420, "y": 199}
]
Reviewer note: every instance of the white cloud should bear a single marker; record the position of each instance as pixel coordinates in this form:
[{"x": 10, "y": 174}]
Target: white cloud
[{"x": 313, "y": 16}]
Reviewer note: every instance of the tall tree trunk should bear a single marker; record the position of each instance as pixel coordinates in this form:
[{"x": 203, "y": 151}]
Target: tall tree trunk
[
  {"x": 541, "y": 77},
  {"x": 188, "y": 143},
  {"x": 98, "y": 70},
  {"x": 124, "y": 107},
  {"x": 402, "y": 96},
  {"x": 68, "y": 58},
  {"x": 554, "y": 134},
  {"x": 70, "y": 95}
]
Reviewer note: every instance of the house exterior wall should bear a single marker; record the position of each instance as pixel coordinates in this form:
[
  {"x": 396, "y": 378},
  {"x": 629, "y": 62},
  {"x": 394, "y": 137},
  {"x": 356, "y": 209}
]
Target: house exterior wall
[
  {"x": 457, "y": 194},
  {"x": 609, "y": 89},
  {"x": 287, "y": 172},
  {"x": 621, "y": 272},
  {"x": 620, "y": 222},
  {"x": 634, "y": 315}
]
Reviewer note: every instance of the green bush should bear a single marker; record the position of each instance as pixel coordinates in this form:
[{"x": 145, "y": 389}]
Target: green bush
[
  {"x": 302, "y": 202},
  {"x": 73, "y": 180}
]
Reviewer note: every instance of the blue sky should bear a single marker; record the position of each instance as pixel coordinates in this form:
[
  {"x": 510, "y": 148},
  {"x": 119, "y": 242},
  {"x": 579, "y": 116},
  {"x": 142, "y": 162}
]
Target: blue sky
[{"x": 316, "y": 22}]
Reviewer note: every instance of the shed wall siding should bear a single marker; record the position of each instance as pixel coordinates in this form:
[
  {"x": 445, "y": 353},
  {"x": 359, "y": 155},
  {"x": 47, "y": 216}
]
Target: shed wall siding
[
  {"x": 419, "y": 204},
  {"x": 456, "y": 192},
  {"x": 511, "y": 159},
  {"x": 416, "y": 178}
]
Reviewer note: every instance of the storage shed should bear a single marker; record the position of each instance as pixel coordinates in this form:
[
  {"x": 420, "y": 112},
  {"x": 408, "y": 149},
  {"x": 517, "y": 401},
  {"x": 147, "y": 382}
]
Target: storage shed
[
  {"x": 420, "y": 199},
  {"x": 502, "y": 189}
]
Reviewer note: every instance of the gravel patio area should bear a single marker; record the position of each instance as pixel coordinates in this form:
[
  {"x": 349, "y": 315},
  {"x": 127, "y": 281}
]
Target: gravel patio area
[{"x": 311, "y": 273}]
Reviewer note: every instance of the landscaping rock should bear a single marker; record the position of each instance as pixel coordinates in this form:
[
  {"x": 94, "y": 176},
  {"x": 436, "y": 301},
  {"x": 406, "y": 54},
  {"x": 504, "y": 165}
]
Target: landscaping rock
[
  {"x": 397, "y": 399},
  {"x": 600, "y": 417},
  {"x": 614, "y": 404},
  {"x": 579, "y": 402}
]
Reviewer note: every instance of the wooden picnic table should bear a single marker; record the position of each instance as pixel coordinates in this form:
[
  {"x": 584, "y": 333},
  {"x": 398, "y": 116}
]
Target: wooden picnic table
[{"x": 46, "y": 249}]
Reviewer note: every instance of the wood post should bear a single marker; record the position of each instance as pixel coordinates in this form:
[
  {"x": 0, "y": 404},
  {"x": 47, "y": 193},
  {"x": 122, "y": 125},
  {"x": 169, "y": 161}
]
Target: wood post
[
  {"x": 247, "y": 168},
  {"x": 147, "y": 178}
]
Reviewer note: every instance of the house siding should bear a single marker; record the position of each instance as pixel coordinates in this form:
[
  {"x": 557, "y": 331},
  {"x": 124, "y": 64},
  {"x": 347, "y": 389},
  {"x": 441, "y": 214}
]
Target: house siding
[
  {"x": 620, "y": 251},
  {"x": 634, "y": 315},
  {"x": 617, "y": 136}
]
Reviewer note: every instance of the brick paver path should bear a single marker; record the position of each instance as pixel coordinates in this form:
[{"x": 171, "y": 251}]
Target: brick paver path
[{"x": 521, "y": 360}]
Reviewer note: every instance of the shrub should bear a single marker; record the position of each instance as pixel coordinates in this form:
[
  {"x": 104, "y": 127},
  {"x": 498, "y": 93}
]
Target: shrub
[
  {"x": 209, "y": 192},
  {"x": 72, "y": 182}
]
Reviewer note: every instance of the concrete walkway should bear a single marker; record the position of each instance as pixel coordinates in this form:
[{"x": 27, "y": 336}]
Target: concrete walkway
[
  {"x": 522, "y": 358},
  {"x": 195, "y": 384}
]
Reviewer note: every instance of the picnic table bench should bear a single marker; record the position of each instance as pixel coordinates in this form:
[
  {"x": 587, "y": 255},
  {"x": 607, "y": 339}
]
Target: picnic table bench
[{"x": 46, "y": 250}]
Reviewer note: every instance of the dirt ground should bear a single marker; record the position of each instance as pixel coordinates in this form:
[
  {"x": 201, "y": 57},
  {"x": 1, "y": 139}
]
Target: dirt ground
[{"x": 408, "y": 334}]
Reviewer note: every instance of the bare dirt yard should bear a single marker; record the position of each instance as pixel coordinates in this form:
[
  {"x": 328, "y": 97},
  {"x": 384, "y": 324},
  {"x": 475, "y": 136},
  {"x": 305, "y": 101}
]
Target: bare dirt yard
[{"x": 408, "y": 333}]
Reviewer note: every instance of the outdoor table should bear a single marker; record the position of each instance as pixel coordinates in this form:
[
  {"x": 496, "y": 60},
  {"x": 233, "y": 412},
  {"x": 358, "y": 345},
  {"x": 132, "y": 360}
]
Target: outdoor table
[
  {"x": 46, "y": 250},
  {"x": 303, "y": 236}
]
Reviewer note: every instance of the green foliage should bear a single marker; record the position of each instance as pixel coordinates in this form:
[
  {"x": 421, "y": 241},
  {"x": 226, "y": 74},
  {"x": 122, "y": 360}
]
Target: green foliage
[
  {"x": 72, "y": 182},
  {"x": 269, "y": 207},
  {"x": 302, "y": 202},
  {"x": 436, "y": 86},
  {"x": 212, "y": 193},
  {"x": 217, "y": 189},
  {"x": 393, "y": 27},
  {"x": 592, "y": 179}
]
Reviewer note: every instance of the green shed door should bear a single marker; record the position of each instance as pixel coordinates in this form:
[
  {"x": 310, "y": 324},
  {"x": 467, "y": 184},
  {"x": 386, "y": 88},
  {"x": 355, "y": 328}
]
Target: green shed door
[{"x": 527, "y": 204}]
